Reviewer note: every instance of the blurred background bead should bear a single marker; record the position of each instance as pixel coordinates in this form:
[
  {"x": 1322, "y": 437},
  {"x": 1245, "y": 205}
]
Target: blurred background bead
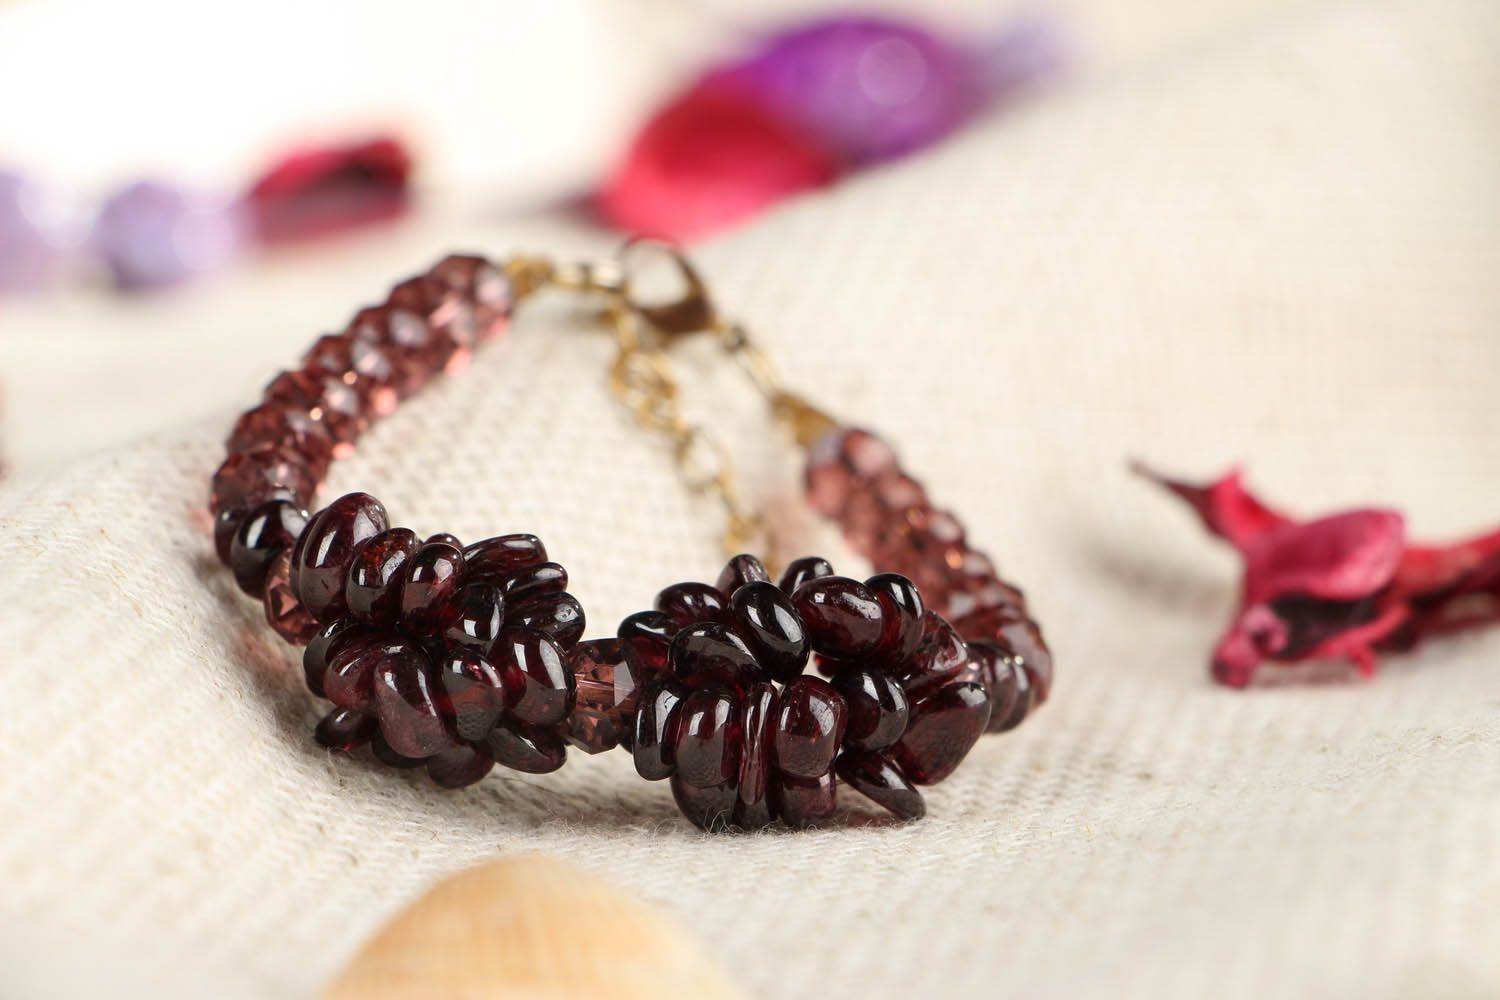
[
  {"x": 35, "y": 236},
  {"x": 152, "y": 235}
]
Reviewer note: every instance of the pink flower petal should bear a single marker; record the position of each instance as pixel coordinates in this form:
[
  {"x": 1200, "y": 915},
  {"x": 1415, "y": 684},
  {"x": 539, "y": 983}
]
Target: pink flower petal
[{"x": 1340, "y": 558}]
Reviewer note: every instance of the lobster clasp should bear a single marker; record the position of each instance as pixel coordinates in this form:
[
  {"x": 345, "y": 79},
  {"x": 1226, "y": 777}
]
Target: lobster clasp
[{"x": 686, "y": 309}]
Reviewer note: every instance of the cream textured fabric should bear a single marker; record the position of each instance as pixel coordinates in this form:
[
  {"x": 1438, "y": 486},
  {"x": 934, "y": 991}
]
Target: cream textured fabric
[{"x": 1284, "y": 251}]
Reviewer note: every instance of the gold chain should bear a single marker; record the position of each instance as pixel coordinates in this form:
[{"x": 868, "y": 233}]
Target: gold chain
[{"x": 643, "y": 378}]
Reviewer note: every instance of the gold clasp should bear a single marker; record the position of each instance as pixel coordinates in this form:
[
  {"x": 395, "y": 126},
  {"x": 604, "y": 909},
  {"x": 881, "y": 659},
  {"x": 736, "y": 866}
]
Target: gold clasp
[{"x": 689, "y": 311}]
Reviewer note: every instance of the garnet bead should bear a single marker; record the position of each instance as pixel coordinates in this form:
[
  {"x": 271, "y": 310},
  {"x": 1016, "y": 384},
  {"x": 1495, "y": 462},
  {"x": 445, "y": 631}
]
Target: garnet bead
[
  {"x": 372, "y": 588},
  {"x": 809, "y": 727},
  {"x": 429, "y": 581},
  {"x": 520, "y": 747},
  {"x": 655, "y": 733},
  {"x": 326, "y": 548},
  {"x": 765, "y": 617},
  {"x": 557, "y": 615},
  {"x": 941, "y": 657},
  {"x": 804, "y": 802},
  {"x": 534, "y": 665},
  {"x": 607, "y": 691},
  {"x": 493, "y": 560},
  {"x": 710, "y": 808},
  {"x": 474, "y": 693},
  {"x": 878, "y": 708},
  {"x": 262, "y": 535},
  {"x": 944, "y": 727},
  {"x": 248, "y": 479},
  {"x": 275, "y": 425},
  {"x": 284, "y": 612},
  {"x": 997, "y": 670},
  {"x": 708, "y": 739},
  {"x": 342, "y": 729},
  {"x": 315, "y": 656},
  {"x": 842, "y": 617},
  {"x": 475, "y": 616},
  {"x": 459, "y": 766},
  {"x": 406, "y": 701},
  {"x": 709, "y": 653},
  {"x": 799, "y": 571},
  {"x": 742, "y": 569},
  {"x": 534, "y": 582},
  {"x": 757, "y": 726},
  {"x": 901, "y": 615},
  {"x": 690, "y": 603},
  {"x": 349, "y": 680},
  {"x": 390, "y": 758},
  {"x": 882, "y": 782},
  {"x": 646, "y": 640}
]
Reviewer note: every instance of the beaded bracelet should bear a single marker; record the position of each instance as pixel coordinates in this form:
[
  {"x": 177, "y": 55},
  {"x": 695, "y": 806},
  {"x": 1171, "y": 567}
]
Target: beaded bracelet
[{"x": 458, "y": 657}]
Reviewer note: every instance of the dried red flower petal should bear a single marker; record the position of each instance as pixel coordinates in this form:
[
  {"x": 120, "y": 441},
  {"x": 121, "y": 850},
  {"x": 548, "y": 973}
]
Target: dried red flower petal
[{"x": 326, "y": 189}]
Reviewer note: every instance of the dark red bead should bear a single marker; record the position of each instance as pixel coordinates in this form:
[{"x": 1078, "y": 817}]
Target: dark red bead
[
  {"x": 943, "y": 729},
  {"x": 533, "y": 664},
  {"x": 742, "y": 569},
  {"x": 607, "y": 691},
  {"x": 709, "y": 808},
  {"x": 446, "y": 538},
  {"x": 389, "y": 757},
  {"x": 326, "y": 548},
  {"x": 804, "y": 802},
  {"x": 691, "y": 602},
  {"x": 940, "y": 658},
  {"x": 534, "y": 582},
  {"x": 810, "y": 722},
  {"x": 249, "y": 479},
  {"x": 646, "y": 641},
  {"x": 284, "y": 612},
  {"x": 325, "y": 397},
  {"x": 1016, "y": 632},
  {"x": 263, "y": 534},
  {"x": 226, "y": 524},
  {"x": 997, "y": 669},
  {"x": 406, "y": 696},
  {"x": 459, "y": 766},
  {"x": 475, "y": 616},
  {"x": 878, "y": 709},
  {"x": 342, "y": 730},
  {"x": 841, "y": 463},
  {"x": 473, "y": 693},
  {"x": 520, "y": 747},
  {"x": 315, "y": 656},
  {"x": 766, "y": 619},
  {"x": 881, "y": 781},
  {"x": 275, "y": 425},
  {"x": 709, "y": 653},
  {"x": 1022, "y": 703},
  {"x": 901, "y": 615},
  {"x": 558, "y": 615},
  {"x": 843, "y": 619},
  {"x": 493, "y": 560},
  {"x": 429, "y": 582},
  {"x": 799, "y": 571},
  {"x": 757, "y": 724},
  {"x": 372, "y": 588},
  {"x": 655, "y": 733},
  {"x": 708, "y": 738}
]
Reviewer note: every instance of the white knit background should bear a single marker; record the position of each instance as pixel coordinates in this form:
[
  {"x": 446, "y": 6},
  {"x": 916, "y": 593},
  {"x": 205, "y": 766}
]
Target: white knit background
[{"x": 1284, "y": 250}]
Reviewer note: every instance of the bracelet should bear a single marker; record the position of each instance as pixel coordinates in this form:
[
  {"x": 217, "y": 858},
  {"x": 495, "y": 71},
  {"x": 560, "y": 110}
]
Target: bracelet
[{"x": 457, "y": 657}]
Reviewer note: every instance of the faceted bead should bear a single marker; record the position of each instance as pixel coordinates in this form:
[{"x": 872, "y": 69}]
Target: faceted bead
[
  {"x": 248, "y": 479},
  {"x": 878, "y": 709},
  {"x": 765, "y": 617},
  {"x": 326, "y": 548},
  {"x": 607, "y": 691},
  {"x": 691, "y": 602},
  {"x": 534, "y": 582},
  {"x": 526, "y": 748},
  {"x": 810, "y": 721},
  {"x": 474, "y": 693},
  {"x": 389, "y": 757},
  {"x": 429, "y": 582},
  {"x": 315, "y": 656},
  {"x": 881, "y": 781},
  {"x": 709, "y": 653},
  {"x": 799, "y": 571},
  {"x": 343, "y": 729},
  {"x": 708, "y": 808},
  {"x": 558, "y": 615},
  {"x": 276, "y": 425},
  {"x": 349, "y": 680},
  {"x": 646, "y": 641},
  {"x": 475, "y": 616},
  {"x": 840, "y": 463},
  {"x": 459, "y": 766},
  {"x": 327, "y": 398},
  {"x": 742, "y": 569},
  {"x": 944, "y": 727},
  {"x": 866, "y": 522},
  {"x": 804, "y": 802},
  {"x": 492, "y": 560},
  {"x": 283, "y": 611},
  {"x": 655, "y": 735},
  {"x": 534, "y": 665},
  {"x": 842, "y": 617},
  {"x": 757, "y": 725},
  {"x": 901, "y": 612},
  {"x": 708, "y": 738},
  {"x": 372, "y": 588},
  {"x": 406, "y": 690},
  {"x": 939, "y": 659},
  {"x": 264, "y": 533},
  {"x": 899, "y": 493}
]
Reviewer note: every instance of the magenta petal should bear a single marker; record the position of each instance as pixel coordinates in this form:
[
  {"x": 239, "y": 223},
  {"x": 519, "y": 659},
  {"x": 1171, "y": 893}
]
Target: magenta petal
[{"x": 1340, "y": 558}]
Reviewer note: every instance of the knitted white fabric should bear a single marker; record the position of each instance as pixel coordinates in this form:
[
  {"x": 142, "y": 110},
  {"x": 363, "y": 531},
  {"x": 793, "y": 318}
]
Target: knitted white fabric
[{"x": 1284, "y": 251}]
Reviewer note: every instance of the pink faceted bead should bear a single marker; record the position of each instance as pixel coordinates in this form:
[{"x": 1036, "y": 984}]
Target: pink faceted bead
[
  {"x": 606, "y": 698},
  {"x": 283, "y": 610}
]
